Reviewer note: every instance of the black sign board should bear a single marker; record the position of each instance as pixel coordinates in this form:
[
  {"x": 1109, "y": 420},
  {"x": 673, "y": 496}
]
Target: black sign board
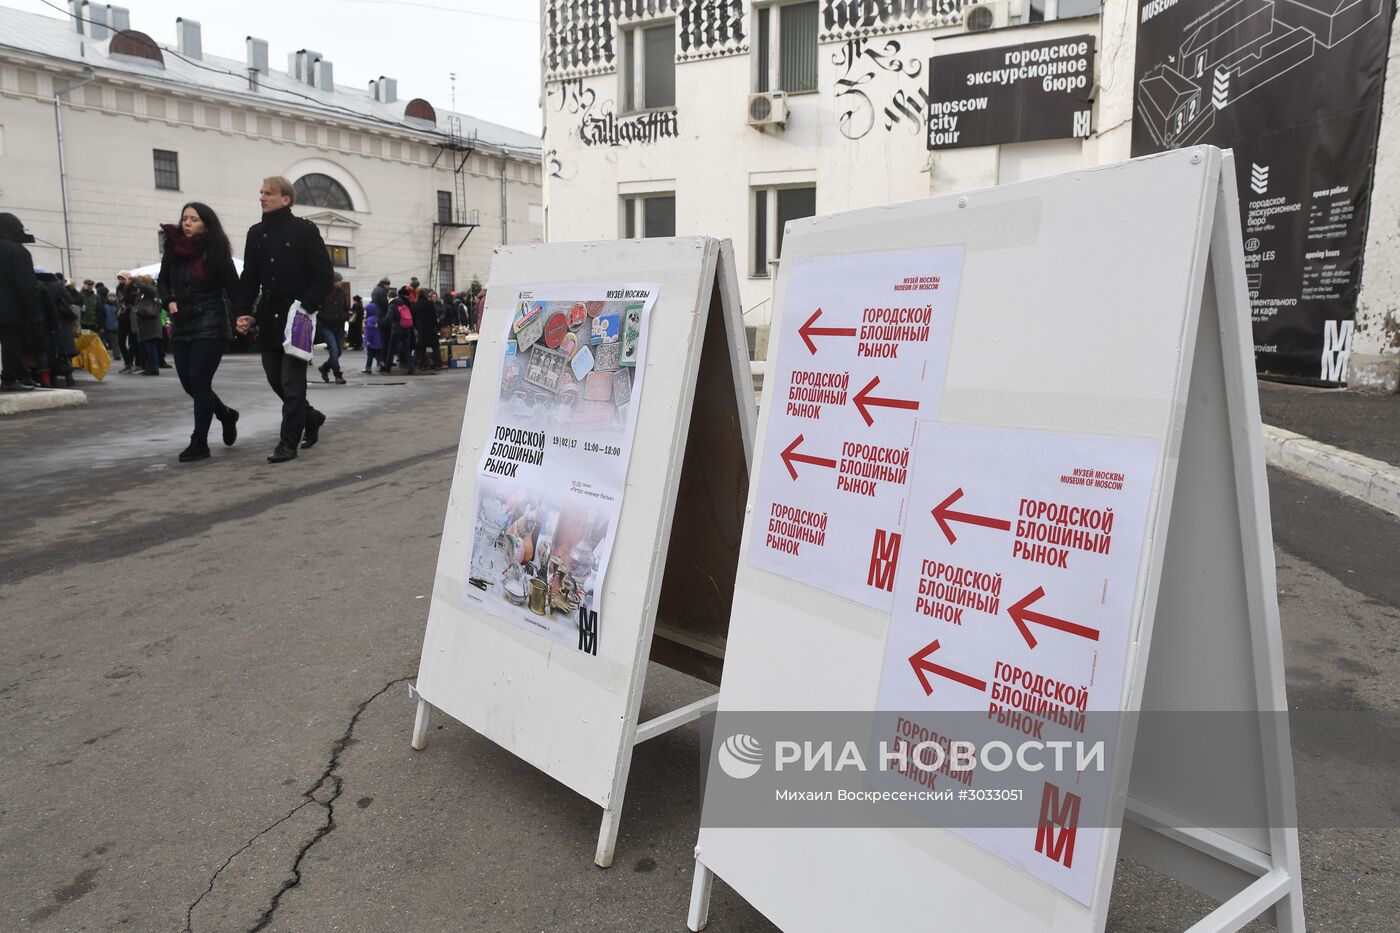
[
  {"x": 1295, "y": 89},
  {"x": 1012, "y": 94}
]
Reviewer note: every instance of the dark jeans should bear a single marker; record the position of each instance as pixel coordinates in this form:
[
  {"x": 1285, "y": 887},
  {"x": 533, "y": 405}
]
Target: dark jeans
[
  {"x": 386, "y": 339},
  {"x": 287, "y": 376},
  {"x": 402, "y": 348},
  {"x": 371, "y": 355},
  {"x": 332, "y": 337},
  {"x": 196, "y": 361},
  {"x": 152, "y": 351},
  {"x": 12, "y": 366}
]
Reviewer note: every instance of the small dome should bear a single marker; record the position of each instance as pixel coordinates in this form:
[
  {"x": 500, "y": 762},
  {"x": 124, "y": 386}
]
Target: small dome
[
  {"x": 137, "y": 45},
  {"x": 420, "y": 109}
]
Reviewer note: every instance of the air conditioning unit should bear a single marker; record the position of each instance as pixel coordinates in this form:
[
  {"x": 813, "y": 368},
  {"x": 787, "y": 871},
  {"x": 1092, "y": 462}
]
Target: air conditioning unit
[
  {"x": 768, "y": 108},
  {"x": 980, "y": 17}
]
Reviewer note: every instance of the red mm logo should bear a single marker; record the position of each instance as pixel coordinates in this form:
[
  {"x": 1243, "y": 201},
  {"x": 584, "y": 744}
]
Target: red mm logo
[
  {"x": 884, "y": 558},
  {"x": 1054, "y": 815}
]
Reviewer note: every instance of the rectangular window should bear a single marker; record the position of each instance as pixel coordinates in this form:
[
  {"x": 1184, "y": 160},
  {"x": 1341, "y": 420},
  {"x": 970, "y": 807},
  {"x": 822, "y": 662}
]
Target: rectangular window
[
  {"x": 760, "y": 231},
  {"x": 444, "y": 205},
  {"x": 649, "y": 67},
  {"x": 793, "y": 204},
  {"x": 649, "y": 215},
  {"x": 764, "y": 58},
  {"x": 340, "y": 256},
  {"x": 447, "y": 273},
  {"x": 773, "y": 208},
  {"x": 797, "y": 51},
  {"x": 167, "y": 169}
]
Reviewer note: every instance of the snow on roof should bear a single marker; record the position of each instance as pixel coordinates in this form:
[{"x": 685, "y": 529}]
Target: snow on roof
[{"x": 57, "y": 38}]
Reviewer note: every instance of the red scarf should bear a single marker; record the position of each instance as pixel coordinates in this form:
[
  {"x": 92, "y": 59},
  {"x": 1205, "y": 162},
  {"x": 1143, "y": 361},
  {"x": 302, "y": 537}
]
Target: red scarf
[{"x": 187, "y": 247}]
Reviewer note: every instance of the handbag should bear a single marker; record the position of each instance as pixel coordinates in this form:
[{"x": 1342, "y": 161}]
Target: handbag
[
  {"x": 300, "y": 332},
  {"x": 147, "y": 308}
]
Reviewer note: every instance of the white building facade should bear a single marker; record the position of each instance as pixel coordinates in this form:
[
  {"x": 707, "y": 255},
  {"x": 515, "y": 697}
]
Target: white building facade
[
  {"x": 397, "y": 187},
  {"x": 652, "y": 126}
]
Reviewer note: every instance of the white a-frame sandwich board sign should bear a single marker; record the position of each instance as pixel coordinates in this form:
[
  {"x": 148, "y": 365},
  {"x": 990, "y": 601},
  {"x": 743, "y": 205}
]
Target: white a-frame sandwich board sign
[
  {"x": 596, "y": 504},
  {"x": 1046, "y": 476}
]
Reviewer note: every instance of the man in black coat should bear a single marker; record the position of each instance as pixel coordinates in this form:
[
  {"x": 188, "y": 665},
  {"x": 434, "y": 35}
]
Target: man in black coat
[
  {"x": 382, "y": 297},
  {"x": 284, "y": 261},
  {"x": 18, "y": 291}
]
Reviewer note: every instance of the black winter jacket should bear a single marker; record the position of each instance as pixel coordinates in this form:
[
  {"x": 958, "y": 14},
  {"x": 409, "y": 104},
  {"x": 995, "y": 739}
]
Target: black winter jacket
[
  {"x": 333, "y": 311},
  {"x": 203, "y": 308},
  {"x": 18, "y": 304},
  {"x": 285, "y": 260}
]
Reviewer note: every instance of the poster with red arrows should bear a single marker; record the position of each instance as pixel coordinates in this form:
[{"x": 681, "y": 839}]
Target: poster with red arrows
[
  {"x": 1014, "y": 594},
  {"x": 861, "y": 356}
]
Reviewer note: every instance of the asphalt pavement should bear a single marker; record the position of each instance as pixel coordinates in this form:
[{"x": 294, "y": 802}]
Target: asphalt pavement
[{"x": 204, "y": 694}]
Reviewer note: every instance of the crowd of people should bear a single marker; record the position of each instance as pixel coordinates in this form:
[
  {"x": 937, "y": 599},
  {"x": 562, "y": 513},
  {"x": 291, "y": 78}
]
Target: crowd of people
[{"x": 199, "y": 306}]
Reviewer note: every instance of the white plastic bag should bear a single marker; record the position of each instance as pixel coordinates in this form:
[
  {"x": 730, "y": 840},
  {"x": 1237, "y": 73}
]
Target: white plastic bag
[{"x": 300, "y": 333}]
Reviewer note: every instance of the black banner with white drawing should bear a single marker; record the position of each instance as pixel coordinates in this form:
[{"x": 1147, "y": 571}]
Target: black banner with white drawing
[
  {"x": 1011, "y": 94},
  {"x": 1294, "y": 87}
]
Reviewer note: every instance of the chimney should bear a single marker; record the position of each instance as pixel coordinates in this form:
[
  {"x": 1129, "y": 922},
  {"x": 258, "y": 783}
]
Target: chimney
[
  {"x": 187, "y": 38},
  {"x": 323, "y": 74},
  {"x": 257, "y": 55},
  {"x": 120, "y": 18},
  {"x": 75, "y": 10},
  {"x": 98, "y": 16},
  {"x": 386, "y": 90}
]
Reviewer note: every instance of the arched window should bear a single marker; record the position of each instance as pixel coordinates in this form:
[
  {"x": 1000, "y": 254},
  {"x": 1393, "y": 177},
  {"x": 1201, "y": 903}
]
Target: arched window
[{"x": 316, "y": 190}]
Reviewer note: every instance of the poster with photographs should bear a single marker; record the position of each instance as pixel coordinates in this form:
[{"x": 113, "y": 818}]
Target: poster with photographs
[{"x": 550, "y": 483}]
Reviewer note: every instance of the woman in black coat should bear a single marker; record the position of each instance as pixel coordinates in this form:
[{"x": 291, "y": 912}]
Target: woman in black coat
[{"x": 196, "y": 277}]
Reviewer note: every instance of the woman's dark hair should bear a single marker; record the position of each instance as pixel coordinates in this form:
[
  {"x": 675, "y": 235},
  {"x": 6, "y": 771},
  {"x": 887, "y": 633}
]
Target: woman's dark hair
[
  {"x": 216, "y": 245},
  {"x": 405, "y": 292}
]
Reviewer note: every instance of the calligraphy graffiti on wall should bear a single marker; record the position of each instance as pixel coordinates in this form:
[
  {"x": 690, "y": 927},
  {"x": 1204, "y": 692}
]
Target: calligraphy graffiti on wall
[
  {"x": 608, "y": 129},
  {"x": 859, "y": 104},
  {"x": 711, "y": 29},
  {"x": 581, "y": 36},
  {"x": 599, "y": 123},
  {"x": 847, "y": 19}
]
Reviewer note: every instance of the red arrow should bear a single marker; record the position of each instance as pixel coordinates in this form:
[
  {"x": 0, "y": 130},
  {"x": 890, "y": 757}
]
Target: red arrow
[
  {"x": 943, "y": 515},
  {"x": 808, "y": 331},
  {"x": 1021, "y": 615},
  {"x": 791, "y": 455},
  {"x": 920, "y": 663},
  {"x": 864, "y": 401}
]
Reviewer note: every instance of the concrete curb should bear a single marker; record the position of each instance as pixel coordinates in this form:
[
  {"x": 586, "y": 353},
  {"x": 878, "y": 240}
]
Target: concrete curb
[
  {"x": 1374, "y": 482},
  {"x": 14, "y": 403}
]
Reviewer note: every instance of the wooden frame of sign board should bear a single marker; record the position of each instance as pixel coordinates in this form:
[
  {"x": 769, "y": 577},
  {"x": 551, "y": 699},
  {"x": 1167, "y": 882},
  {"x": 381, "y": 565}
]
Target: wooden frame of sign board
[
  {"x": 1141, "y": 328},
  {"x": 570, "y": 714}
]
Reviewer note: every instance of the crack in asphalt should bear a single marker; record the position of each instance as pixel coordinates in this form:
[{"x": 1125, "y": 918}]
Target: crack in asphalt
[{"x": 329, "y": 778}]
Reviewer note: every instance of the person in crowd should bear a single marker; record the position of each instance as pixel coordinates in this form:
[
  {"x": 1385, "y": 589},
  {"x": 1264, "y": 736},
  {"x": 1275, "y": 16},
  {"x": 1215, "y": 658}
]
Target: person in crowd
[
  {"x": 110, "y": 304},
  {"x": 196, "y": 278},
  {"x": 147, "y": 324},
  {"x": 330, "y": 321},
  {"x": 387, "y": 312},
  {"x": 126, "y": 337},
  {"x": 357, "y": 324},
  {"x": 284, "y": 261},
  {"x": 413, "y": 289},
  {"x": 18, "y": 296},
  {"x": 425, "y": 320},
  {"x": 401, "y": 330},
  {"x": 92, "y": 314},
  {"x": 61, "y": 314},
  {"x": 380, "y": 294},
  {"x": 374, "y": 345}
]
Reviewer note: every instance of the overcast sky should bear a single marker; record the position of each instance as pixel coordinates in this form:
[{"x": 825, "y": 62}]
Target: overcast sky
[{"x": 492, "y": 45}]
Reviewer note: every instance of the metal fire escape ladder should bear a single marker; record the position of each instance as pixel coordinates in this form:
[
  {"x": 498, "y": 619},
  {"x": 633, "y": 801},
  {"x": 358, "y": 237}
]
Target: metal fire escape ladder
[{"x": 459, "y": 149}]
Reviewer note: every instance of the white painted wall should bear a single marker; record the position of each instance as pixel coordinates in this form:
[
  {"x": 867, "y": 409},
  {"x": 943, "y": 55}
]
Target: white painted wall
[{"x": 111, "y": 127}]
